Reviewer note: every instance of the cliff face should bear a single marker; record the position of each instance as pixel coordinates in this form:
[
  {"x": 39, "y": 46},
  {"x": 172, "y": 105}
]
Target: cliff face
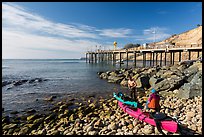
[{"x": 188, "y": 38}]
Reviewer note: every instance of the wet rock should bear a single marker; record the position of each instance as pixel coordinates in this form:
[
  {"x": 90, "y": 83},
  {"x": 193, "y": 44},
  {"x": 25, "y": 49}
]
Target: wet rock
[
  {"x": 31, "y": 111},
  {"x": 14, "y": 112},
  {"x": 104, "y": 76},
  {"x": 33, "y": 117},
  {"x": 114, "y": 79},
  {"x": 92, "y": 105},
  {"x": 55, "y": 132},
  {"x": 72, "y": 99},
  {"x": 99, "y": 73},
  {"x": 10, "y": 126},
  {"x": 38, "y": 121},
  {"x": 51, "y": 116},
  {"x": 91, "y": 96},
  {"x": 50, "y": 98},
  {"x": 4, "y": 83},
  {"x": 42, "y": 132},
  {"x": 5, "y": 119},
  {"x": 31, "y": 81},
  {"x": 10, "y": 131},
  {"x": 113, "y": 74},
  {"x": 18, "y": 83},
  {"x": 63, "y": 106},
  {"x": 23, "y": 131},
  {"x": 71, "y": 118},
  {"x": 124, "y": 82},
  {"x": 38, "y": 80},
  {"x": 60, "y": 103}
]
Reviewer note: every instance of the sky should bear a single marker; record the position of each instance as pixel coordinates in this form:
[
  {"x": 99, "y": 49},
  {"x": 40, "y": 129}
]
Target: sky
[{"x": 66, "y": 30}]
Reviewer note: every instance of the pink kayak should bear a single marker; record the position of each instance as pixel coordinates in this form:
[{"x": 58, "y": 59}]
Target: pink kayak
[{"x": 166, "y": 124}]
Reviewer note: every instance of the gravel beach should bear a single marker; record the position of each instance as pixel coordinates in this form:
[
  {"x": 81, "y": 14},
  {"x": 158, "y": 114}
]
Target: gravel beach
[{"x": 102, "y": 116}]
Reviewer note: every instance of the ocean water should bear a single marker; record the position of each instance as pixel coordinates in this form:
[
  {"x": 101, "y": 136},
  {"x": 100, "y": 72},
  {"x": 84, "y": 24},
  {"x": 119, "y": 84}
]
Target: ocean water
[{"x": 59, "y": 77}]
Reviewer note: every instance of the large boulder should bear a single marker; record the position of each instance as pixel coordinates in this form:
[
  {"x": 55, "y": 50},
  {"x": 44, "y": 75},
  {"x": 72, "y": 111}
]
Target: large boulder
[
  {"x": 162, "y": 86},
  {"x": 177, "y": 69},
  {"x": 99, "y": 73},
  {"x": 190, "y": 72},
  {"x": 165, "y": 68},
  {"x": 170, "y": 84},
  {"x": 127, "y": 73},
  {"x": 114, "y": 79},
  {"x": 193, "y": 88},
  {"x": 20, "y": 82},
  {"x": 189, "y": 91},
  {"x": 50, "y": 98},
  {"x": 108, "y": 73},
  {"x": 181, "y": 67},
  {"x": 143, "y": 81},
  {"x": 113, "y": 74},
  {"x": 103, "y": 76},
  {"x": 136, "y": 70},
  {"x": 151, "y": 71},
  {"x": 167, "y": 74},
  {"x": 160, "y": 73},
  {"x": 154, "y": 80},
  {"x": 176, "y": 81},
  {"x": 4, "y": 83},
  {"x": 124, "y": 82},
  {"x": 199, "y": 65},
  {"x": 136, "y": 76}
]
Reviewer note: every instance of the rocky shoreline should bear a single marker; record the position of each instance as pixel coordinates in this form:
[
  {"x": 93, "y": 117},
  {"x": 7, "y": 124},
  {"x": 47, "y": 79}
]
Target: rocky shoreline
[{"x": 91, "y": 115}]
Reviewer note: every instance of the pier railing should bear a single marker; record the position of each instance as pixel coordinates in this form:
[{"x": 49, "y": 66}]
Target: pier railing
[{"x": 151, "y": 47}]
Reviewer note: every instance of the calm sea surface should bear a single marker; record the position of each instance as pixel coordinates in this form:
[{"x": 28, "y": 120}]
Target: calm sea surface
[{"x": 60, "y": 77}]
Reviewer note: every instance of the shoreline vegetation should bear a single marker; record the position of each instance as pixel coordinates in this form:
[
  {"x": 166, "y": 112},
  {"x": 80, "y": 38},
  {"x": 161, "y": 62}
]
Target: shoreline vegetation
[{"x": 179, "y": 85}]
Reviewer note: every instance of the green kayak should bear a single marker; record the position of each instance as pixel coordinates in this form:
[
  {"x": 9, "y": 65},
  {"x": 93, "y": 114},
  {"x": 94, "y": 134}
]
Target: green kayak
[{"x": 125, "y": 100}]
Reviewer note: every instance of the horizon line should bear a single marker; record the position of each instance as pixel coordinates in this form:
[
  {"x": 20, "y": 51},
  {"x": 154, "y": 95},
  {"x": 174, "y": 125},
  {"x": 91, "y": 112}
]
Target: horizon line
[{"x": 41, "y": 58}]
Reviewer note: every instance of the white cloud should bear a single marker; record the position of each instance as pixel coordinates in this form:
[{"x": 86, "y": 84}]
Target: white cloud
[
  {"x": 18, "y": 44},
  {"x": 115, "y": 33},
  {"x": 19, "y": 18},
  {"x": 157, "y": 33}
]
